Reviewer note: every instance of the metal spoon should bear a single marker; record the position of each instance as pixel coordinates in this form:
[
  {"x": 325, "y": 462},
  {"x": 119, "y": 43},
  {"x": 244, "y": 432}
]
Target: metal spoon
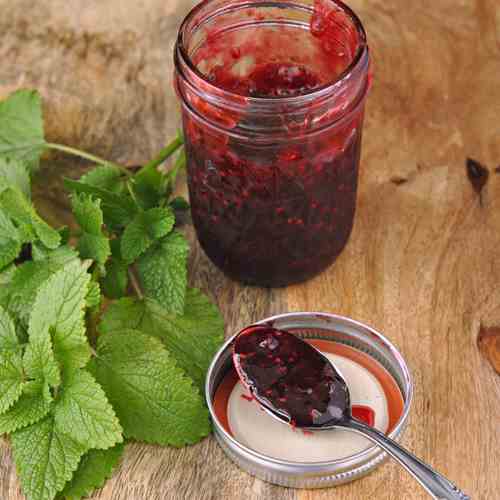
[{"x": 296, "y": 384}]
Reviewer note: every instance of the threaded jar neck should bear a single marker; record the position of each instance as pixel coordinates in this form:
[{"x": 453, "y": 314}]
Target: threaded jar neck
[{"x": 217, "y": 30}]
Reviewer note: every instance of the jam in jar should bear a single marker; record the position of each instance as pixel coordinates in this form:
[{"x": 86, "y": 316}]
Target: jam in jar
[{"x": 273, "y": 98}]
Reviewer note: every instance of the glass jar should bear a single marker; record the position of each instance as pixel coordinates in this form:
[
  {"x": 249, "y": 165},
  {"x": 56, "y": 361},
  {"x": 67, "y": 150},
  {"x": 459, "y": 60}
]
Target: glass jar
[{"x": 272, "y": 100}]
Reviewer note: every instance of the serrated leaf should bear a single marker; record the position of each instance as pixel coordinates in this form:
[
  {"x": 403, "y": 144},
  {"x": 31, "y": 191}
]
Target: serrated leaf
[
  {"x": 93, "y": 244},
  {"x": 8, "y": 338},
  {"x": 107, "y": 177},
  {"x": 39, "y": 251},
  {"x": 147, "y": 195},
  {"x": 59, "y": 257},
  {"x": 144, "y": 230},
  {"x": 58, "y": 313},
  {"x": 115, "y": 283},
  {"x": 19, "y": 295},
  {"x": 33, "y": 405},
  {"x": 162, "y": 271},
  {"x": 93, "y": 298},
  {"x": 39, "y": 359},
  {"x": 27, "y": 233},
  {"x": 56, "y": 327},
  {"x": 95, "y": 468},
  {"x": 118, "y": 210},
  {"x": 152, "y": 397},
  {"x": 15, "y": 204},
  {"x": 21, "y": 127},
  {"x": 10, "y": 242},
  {"x": 11, "y": 379},
  {"x": 94, "y": 247},
  {"x": 45, "y": 458},
  {"x": 85, "y": 413},
  {"x": 192, "y": 338},
  {"x": 14, "y": 173},
  {"x": 88, "y": 213}
]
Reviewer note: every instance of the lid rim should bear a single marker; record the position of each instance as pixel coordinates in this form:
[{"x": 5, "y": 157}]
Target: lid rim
[{"x": 353, "y": 465}]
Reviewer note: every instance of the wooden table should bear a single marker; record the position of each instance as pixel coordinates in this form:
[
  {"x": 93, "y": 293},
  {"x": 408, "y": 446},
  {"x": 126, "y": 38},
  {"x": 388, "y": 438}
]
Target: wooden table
[{"x": 422, "y": 265}]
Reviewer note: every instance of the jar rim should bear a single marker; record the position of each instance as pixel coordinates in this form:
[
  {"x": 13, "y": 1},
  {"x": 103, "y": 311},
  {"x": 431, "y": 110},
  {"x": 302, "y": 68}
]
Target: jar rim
[{"x": 317, "y": 93}]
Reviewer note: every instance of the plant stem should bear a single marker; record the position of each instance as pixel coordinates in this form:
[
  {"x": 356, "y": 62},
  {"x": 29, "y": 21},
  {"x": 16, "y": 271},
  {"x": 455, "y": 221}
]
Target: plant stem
[
  {"x": 135, "y": 284},
  {"x": 180, "y": 163},
  {"x": 87, "y": 156},
  {"x": 166, "y": 152},
  {"x": 92, "y": 321},
  {"x": 132, "y": 194}
]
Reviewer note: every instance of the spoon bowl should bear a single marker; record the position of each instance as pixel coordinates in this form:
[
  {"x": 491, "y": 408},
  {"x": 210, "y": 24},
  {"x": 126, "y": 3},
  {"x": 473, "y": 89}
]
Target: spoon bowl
[{"x": 296, "y": 384}]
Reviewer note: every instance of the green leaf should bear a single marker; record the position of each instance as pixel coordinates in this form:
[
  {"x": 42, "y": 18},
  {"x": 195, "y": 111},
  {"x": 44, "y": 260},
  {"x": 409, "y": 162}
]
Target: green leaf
[
  {"x": 39, "y": 251},
  {"x": 11, "y": 379},
  {"x": 144, "y": 230},
  {"x": 34, "y": 404},
  {"x": 10, "y": 242},
  {"x": 118, "y": 210},
  {"x": 6, "y": 276},
  {"x": 39, "y": 359},
  {"x": 107, "y": 177},
  {"x": 147, "y": 189},
  {"x": 45, "y": 457},
  {"x": 115, "y": 283},
  {"x": 93, "y": 299},
  {"x": 15, "y": 204},
  {"x": 58, "y": 313},
  {"x": 21, "y": 127},
  {"x": 150, "y": 186},
  {"x": 11, "y": 363},
  {"x": 65, "y": 234},
  {"x": 13, "y": 173},
  {"x": 95, "y": 468},
  {"x": 92, "y": 244},
  {"x": 180, "y": 204},
  {"x": 94, "y": 247},
  {"x": 162, "y": 271},
  {"x": 152, "y": 397},
  {"x": 88, "y": 213},
  {"x": 192, "y": 338},
  {"x": 19, "y": 295},
  {"x": 8, "y": 338},
  {"x": 85, "y": 413}
]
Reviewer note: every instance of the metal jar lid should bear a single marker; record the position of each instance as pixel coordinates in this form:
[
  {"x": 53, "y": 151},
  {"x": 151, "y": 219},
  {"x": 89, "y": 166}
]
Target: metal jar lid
[{"x": 321, "y": 326}]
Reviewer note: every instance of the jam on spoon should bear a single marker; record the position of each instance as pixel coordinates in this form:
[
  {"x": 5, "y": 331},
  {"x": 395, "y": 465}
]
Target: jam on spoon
[
  {"x": 297, "y": 384},
  {"x": 296, "y": 380}
]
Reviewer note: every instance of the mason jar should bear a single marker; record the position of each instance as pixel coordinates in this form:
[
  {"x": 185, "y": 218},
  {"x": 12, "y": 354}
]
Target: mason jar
[{"x": 273, "y": 98}]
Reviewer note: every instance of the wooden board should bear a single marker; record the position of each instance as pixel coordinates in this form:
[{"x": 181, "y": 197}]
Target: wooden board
[{"x": 422, "y": 265}]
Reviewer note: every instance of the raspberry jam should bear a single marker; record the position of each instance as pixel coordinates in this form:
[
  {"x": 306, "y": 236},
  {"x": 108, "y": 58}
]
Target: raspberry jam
[
  {"x": 273, "y": 103},
  {"x": 268, "y": 80},
  {"x": 290, "y": 376}
]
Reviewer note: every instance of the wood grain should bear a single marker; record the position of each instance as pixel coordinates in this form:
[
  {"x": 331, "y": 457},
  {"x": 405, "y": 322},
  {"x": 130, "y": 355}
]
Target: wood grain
[{"x": 422, "y": 264}]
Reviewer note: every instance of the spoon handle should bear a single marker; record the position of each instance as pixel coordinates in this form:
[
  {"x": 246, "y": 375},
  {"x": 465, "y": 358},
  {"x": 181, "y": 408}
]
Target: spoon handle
[{"x": 436, "y": 485}]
